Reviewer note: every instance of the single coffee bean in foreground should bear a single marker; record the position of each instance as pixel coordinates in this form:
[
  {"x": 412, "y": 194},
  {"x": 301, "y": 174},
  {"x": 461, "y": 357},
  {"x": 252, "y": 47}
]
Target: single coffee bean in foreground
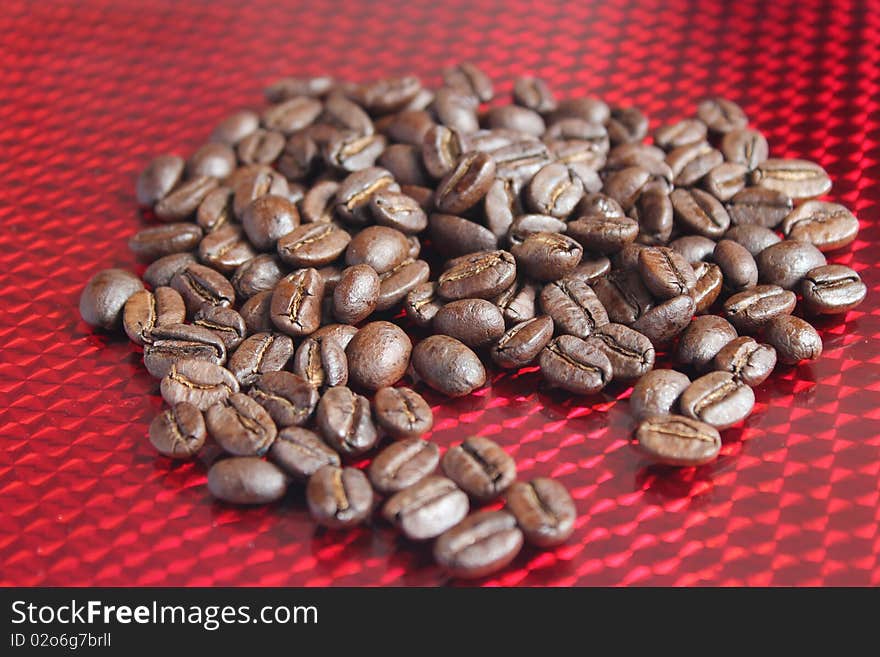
[
  {"x": 785, "y": 264},
  {"x": 704, "y": 337},
  {"x": 403, "y": 464},
  {"x": 402, "y": 412},
  {"x": 748, "y": 311},
  {"x": 147, "y": 310},
  {"x": 522, "y": 343},
  {"x": 246, "y": 480},
  {"x": 289, "y": 399},
  {"x": 104, "y": 296},
  {"x": 339, "y": 497},
  {"x": 747, "y": 359},
  {"x": 630, "y": 353},
  {"x": 793, "y": 338},
  {"x": 344, "y": 421},
  {"x": 241, "y": 426},
  {"x": 321, "y": 362},
  {"x": 178, "y": 432},
  {"x": 480, "y": 467},
  {"x": 259, "y": 354},
  {"x": 719, "y": 399},
  {"x": 575, "y": 365},
  {"x": 427, "y": 508},
  {"x": 479, "y": 545},
  {"x": 544, "y": 511},
  {"x": 378, "y": 356},
  {"x": 476, "y": 322},
  {"x": 832, "y": 289},
  {"x": 657, "y": 393},
  {"x": 448, "y": 366},
  {"x": 198, "y": 382},
  {"x": 301, "y": 453},
  {"x": 678, "y": 440}
]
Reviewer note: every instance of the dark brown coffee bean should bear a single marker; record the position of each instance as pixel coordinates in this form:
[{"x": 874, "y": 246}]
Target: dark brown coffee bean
[
  {"x": 225, "y": 249},
  {"x": 317, "y": 204},
  {"x": 623, "y": 295},
  {"x": 184, "y": 200},
  {"x": 313, "y": 245},
  {"x": 259, "y": 274},
  {"x": 534, "y": 94},
  {"x": 785, "y": 264},
  {"x": 258, "y": 182},
  {"x": 692, "y": 162},
  {"x": 378, "y": 355},
  {"x": 353, "y": 196},
  {"x": 663, "y": 322},
  {"x": 456, "y": 110},
  {"x": 227, "y": 324},
  {"x": 289, "y": 399},
  {"x": 356, "y": 294},
  {"x": 405, "y": 463},
  {"x": 258, "y": 354},
  {"x": 340, "y": 333},
  {"x": 441, "y": 150},
  {"x": 572, "y": 364},
  {"x": 687, "y": 131},
  {"x": 718, "y": 399},
  {"x": 694, "y": 248},
  {"x": 241, "y": 426},
  {"x": 344, "y": 421},
  {"x": 214, "y": 159},
  {"x": 427, "y": 508},
  {"x": 301, "y": 453},
  {"x": 605, "y": 235},
  {"x": 528, "y": 224},
  {"x": 398, "y": 211},
  {"x": 256, "y": 313},
  {"x": 469, "y": 80},
  {"x": 380, "y": 247},
  {"x": 202, "y": 286},
  {"x": 344, "y": 114},
  {"x": 236, "y": 127},
  {"x": 796, "y": 179},
  {"x": 287, "y": 88},
  {"x": 466, "y": 184},
  {"x": 480, "y": 467},
  {"x": 752, "y": 237},
  {"x": 631, "y": 354},
  {"x": 475, "y": 322},
  {"x": 555, "y": 190},
  {"x": 454, "y": 236},
  {"x": 520, "y": 160},
  {"x": 292, "y": 115},
  {"x": 157, "y": 180},
  {"x": 296, "y": 302},
  {"x": 395, "y": 284},
  {"x": 404, "y": 162},
  {"x": 749, "y": 361},
  {"x": 517, "y": 303},
  {"x": 409, "y": 127},
  {"x": 514, "y": 117},
  {"x": 548, "y": 256},
  {"x": 753, "y": 308},
  {"x": 481, "y": 275},
  {"x": 263, "y": 147},
  {"x": 653, "y": 212},
  {"x": 144, "y": 311},
  {"x": 544, "y": 511},
  {"x": 657, "y": 393},
  {"x": 198, "y": 382},
  {"x": 699, "y": 212},
  {"x": 215, "y": 210},
  {"x": 246, "y": 480},
  {"x": 178, "y": 432},
  {"x": 481, "y": 544},
  {"x": 725, "y": 180},
  {"x": 589, "y": 109},
  {"x": 267, "y": 219},
  {"x": 350, "y": 151},
  {"x": 704, "y": 337},
  {"x": 584, "y": 158},
  {"x": 388, "y": 94},
  {"x": 521, "y": 344},
  {"x": 678, "y": 440},
  {"x": 160, "y": 273},
  {"x": 626, "y": 124},
  {"x": 708, "y": 287},
  {"x": 573, "y": 306},
  {"x": 737, "y": 265},
  {"x": 448, "y": 366},
  {"x": 339, "y": 497},
  {"x": 402, "y": 412},
  {"x": 722, "y": 115},
  {"x": 579, "y": 130},
  {"x": 628, "y": 257},
  {"x": 746, "y": 147},
  {"x": 625, "y": 185},
  {"x": 591, "y": 269},
  {"x": 637, "y": 154},
  {"x": 828, "y": 290},
  {"x": 157, "y": 241},
  {"x": 793, "y": 338},
  {"x": 321, "y": 362},
  {"x": 759, "y": 206},
  {"x": 666, "y": 273},
  {"x": 827, "y": 226}
]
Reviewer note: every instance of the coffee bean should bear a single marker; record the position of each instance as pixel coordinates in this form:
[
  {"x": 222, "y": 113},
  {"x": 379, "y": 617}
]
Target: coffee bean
[
  {"x": 749, "y": 361},
  {"x": 699, "y": 212},
  {"x": 589, "y": 109},
  {"x": 692, "y": 162},
  {"x": 480, "y": 467},
  {"x": 321, "y": 362},
  {"x": 517, "y": 303},
  {"x": 467, "y": 79},
  {"x": 178, "y": 432},
  {"x": 746, "y": 147},
  {"x": 827, "y": 226},
  {"x": 448, "y": 366},
  {"x": 605, "y": 235},
  {"x": 454, "y": 236},
  {"x": 427, "y": 508},
  {"x": 395, "y": 284},
  {"x": 520, "y": 160},
  {"x": 202, "y": 286},
  {"x": 339, "y": 497},
  {"x": 555, "y": 190},
  {"x": 287, "y": 88},
  {"x": 339, "y": 333},
  {"x": 623, "y": 295},
  {"x": 663, "y": 322},
  {"x": 678, "y": 440},
  {"x": 626, "y": 125},
  {"x": 356, "y": 294},
  {"x": 398, "y": 211},
  {"x": 573, "y": 306},
  {"x": 625, "y": 185},
  {"x": 528, "y": 224},
  {"x": 702, "y": 340},
  {"x": 227, "y": 324},
  {"x": 241, "y": 426},
  {"x": 441, "y": 150},
  {"x": 751, "y": 309},
  {"x": 225, "y": 249},
  {"x": 352, "y": 201},
  {"x": 351, "y": 151},
  {"x": 666, "y": 273},
  {"x": 259, "y": 181},
  {"x": 475, "y": 322},
  {"x": 737, "y": 265},
  {"x": 157, "y": 241},
  {"x": 522, "y": 343},
  {"x": 256, "y": 313},
  {"x": 796, "y": 179},
  {"x": 215, "y": 210},
  {"x": 313, "y": 245},
  {"x": 198, "y": 382},
  {"x": 481, "y": 275},
  {"x": 259, "y": 274},
  {"x": 725, "y": 180},
  {"x": 568, "y": 130},
  {"x": 300, "y": 453},
  {"x": 422, "y": 304},
  {"x": 246, "y": 480},
  {"x": 466, "y": 183},
  {"x": 258, "y": 354},
  {"x": 630, "y": 353},
  {"x": 694, "y": 248},
  {"x": 456, "y": 110},
  {"x": 830, "y": 289},
  {"x": 409, "y": 127},
  {"x": 344, "y": 114},
  {"x": 265, "y": 146},
  {"x": 144, "y": 311},
  {"x": 759, "y": 206},
  {"x": 378, "y": 355},
  {"x": 479, "y": 545},
  {"x": 534, "y": 94},
  {"x": 292, "y": 115},
  {"x": 267, "y": 219},
  {"x": 158, "y": 179},
  {"x": 405, "y": 463},
  {"x": 214, "y": 159},
  {"x": 637, "y": 154},
  {"x": 389, "y": 94},
  {"x": 708, "y": 287},
  {"x": 166, "y": 345},
  {"x": 718, "y": 399},
  {"x": 572, "y": 364},
  {"x": 344, "y": 420},
  {"x": 547, "y": 256},
  {"x": 402, "y": 412},
  {"x": 296, "y": 302},
  {"x": 184, "y": 199},
  {"x": 160, "y": 273},
  {"x": 721, "y": 115},
  {"x": 657, "y": 393},
  {"x": 289, "y": 399},
  {"x": 786, "y": 263},
  {"x": 793, "y": 338},
  {"x": 752, "y": 237},
  {"x": 236, "y": 127},
  {"x": 687, "y": 131},
  {"x": 653, "y": 212},
  {"x": 544, "y": 511}
]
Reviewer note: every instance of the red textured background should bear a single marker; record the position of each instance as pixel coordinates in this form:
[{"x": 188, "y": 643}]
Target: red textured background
[{"x": 90, "y": 91}]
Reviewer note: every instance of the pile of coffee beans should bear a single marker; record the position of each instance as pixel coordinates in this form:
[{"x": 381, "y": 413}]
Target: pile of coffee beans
[{"x": 287, "y": 252}]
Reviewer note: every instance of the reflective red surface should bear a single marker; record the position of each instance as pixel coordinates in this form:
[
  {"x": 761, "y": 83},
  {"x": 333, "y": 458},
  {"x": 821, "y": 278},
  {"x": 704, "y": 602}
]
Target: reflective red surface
[{"x": 90, "y": 91}]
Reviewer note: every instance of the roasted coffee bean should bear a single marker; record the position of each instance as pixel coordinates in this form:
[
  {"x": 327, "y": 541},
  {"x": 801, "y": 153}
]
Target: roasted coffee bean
[
  {"x": 749, "y": 361},
  {"x": 785, "y": 264},
  {"x": 454, "y": 236},
  {"x": 469, "y": 80},
  {"x": 202, "y": 286},
  {"x": 184, "y": 199},
  {"x": 623, "y": 295},
  {"x": 422, "y": 304},
  {"x": 256, "y": 313},
  {"x": 409, "y": 127},
  {"x": 259, "y": 181},
  {"x": 339, "y": 497},
  {"x": 752, "y": 237},
  {"x": 708, "y": 288},
  {"x": 548, "y": 256},
  {"x": 481, "y": 544},
  {"x": 699, "y": 212},
  {"x": 353, "y": 196},
  {"x": 691, "y": 162},
  {"x": 793, "y": 338},
  {"x": 398, "y": 211},
  {"x": 520, "y": 159},
  {"x": 404, "y": 162},
  {"x": 759, "y": 206},
  {"x": 344, "y": 114},
  {"x": 628, "y": 257},
  {"x": 318, "y": 202},
  {"x": 289, "y": 399},
  {"x": 827, "y": 226},
  {"x": 394, "y": 285},
  {"x": 678, "y": 440},
  {"x": 214, "y": 159},
  {"x": 178, "y": 432},
  {"x": 157, "y": 241},
  {"x": 481, "y": 275},
  {"x": 158, "y": 179},
  {"x": 344, "y": 420},
  {"x": 591, "y": 269},
  {"x": 663, "y": 322},
  {"x": 584, "y": 158},
  {"x": 350, "y": 151},
  {"x": 321, "y": 362},
  {"x": 544, "y": 511},
  {"x": 236, "y": 127},
  {"x": 572, "y": 364},
  {"x": 704, "y": 337},
  {"x": 161, "y": 272},
  {"x": 227, "y": 324},
  {"x": 448, "y": 366},
  {"x": 215, "y": 210},
  {"x": 480, "y": 467},
  {"x": 456, "y": 110},
  {"x": 718, "y": 399},
  {"x": 313, "y": 245},
  {"x": 657, "y": 393},
  {"x": 573, "y": 306},
  {"x": 340, "y": 333},
  {"x": 356, "y": 294},
  {"x": 631, "y": 354},
  {"x": 388, "y": 94},
  {"x": 722, "y": 115},
  {"x": 258, "y": 354},
  {"x": 424, "y": 196},
  {"x": 265, "y": 146},
  {"x": 828, "y": 290},
  {"x": 519, "y": 119},
  {"x": 555, "y": 190},
  {"x": 402, "y": 412},
  {"x": 528, "y": 224},
  {"x": 687, "y": 131},
  {"x": 267, "y": 219},
  {"x": 517, "y": 303},
  {"x": 427, "y": 508},
  {"x": 287, "y": 88},
  {"x": 796, "y": 179},
  {"x": 725, "y": 180},
  {"x": 144, "y": 311},
  {"x": 653, "y": 212},
  {"x": 626, "y": 125},
  {"x": 292, "y": 115},
  {"x": 666, "y": 273},
  {"x": 746, "y": 147},
  {"x": 198, "y": 382},
  {"x": 378, "y": 355},
  {"x": 751, "y": 309},
  {"x": 241, "y": 426},
  {"x": 405, "y": 463},
  {"x": 259, "y": 274},
  {"x": 301, "y": 453},
  {"x": 225, "y": 249},
  {"x": 466, "y": 184},
  {"x": 589, "y": 109},
  {"x": 579, "y": 130},
  {"x": 296, "y": 302},
  {"x": 737, "y": 265},
  {"x": 441, "y": 150},
  {"x": 636, "y": 154},
  {"x": 475, "y": 322},
  {"x": 694, "y": 248},
  {"x": 521, "y": 344},
  {"x": 533, "y": 93},
  {"x": 605, "y": 235},
  {"x": 246, "y": 480},
  {"x": 625, "y": 185}
]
